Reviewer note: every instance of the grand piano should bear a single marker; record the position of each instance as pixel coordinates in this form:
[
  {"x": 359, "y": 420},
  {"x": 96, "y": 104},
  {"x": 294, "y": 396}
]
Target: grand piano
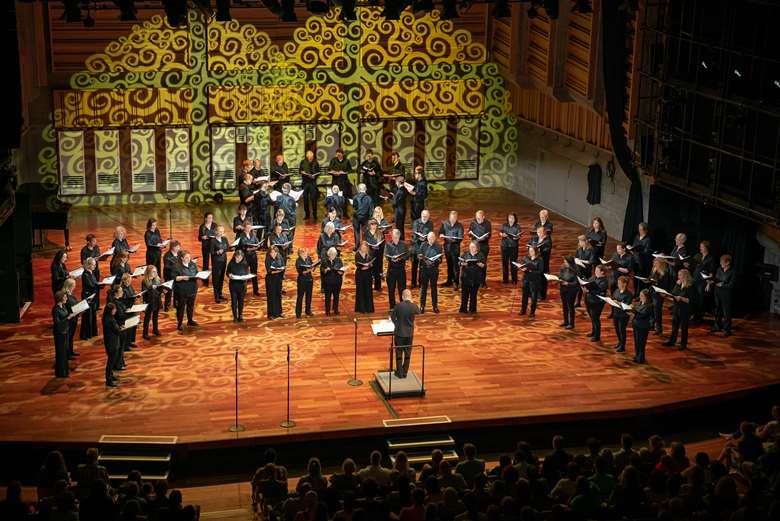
[{"x": 48, "y": 211}]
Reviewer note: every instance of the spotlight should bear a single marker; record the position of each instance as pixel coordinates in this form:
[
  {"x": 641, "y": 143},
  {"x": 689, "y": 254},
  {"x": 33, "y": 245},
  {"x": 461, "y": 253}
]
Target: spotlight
[
  {"x": 392, "y": 9},
  {"x": 317, "y": 6},
  {"x": 551, "y": 7},
  {"x": 223, "y": 11},
  {"x": 422, "y": 6},
  {"x": 127, "y": 10},
  {"x": 175, "y": 12},
  {"x": 501, "y": 9},
  {"x": 582, "y": 7},
  {"x": 348, "y": 10},
  {"x": 449, "y": 10},
  {"x": 737, "y": 73},
  {"x": 288, "y": 11},
  {"x": 72, "y": 11}
]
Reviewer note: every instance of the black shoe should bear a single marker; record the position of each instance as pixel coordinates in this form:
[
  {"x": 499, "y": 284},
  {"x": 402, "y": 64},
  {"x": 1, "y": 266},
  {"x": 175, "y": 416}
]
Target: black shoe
[
  {"x": 462, "y": 311},
  {"x": 192, "y": 323},
  {"x": 522, "y": 312},
  {"x": 682, "y": 348},
  {"x": 146, "y": 337},
  {"x": 532, "y": 315},
  {"x": 112, "y": 384},
  {"x": 422, "y": 311},
  {"x": 563, "y": 324},
  {"x": 327, "y": 313},
  {"x": 121, "y": 368},
  {"x": 457, "y": 287},
  {"x": 594, "y": 339},
  {"x": 616, "y": 346},
  {"x": 131, "y": 344},
  {"x": 726, "y": 333},
  {"x": 435, "y": 309},
  {"x": 309, "y": 314},
  {"x": 179, "y": 328},
  {"x": 570, "y": 326},
  {"x": 297, "y": 316},
  {"x": 75, "y": 354},
  {"x": 621, "y": 349},
  {"x": 484, "y": 286},
  {"x": 240, "y": 319},
  {"x": 156, "y": 333}
]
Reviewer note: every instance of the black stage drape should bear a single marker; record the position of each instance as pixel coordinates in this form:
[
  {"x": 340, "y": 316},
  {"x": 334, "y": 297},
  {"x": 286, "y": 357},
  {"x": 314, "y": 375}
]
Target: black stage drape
[
  {"x": 671, "y": 213},
  {"x": 613, "y": 29}
]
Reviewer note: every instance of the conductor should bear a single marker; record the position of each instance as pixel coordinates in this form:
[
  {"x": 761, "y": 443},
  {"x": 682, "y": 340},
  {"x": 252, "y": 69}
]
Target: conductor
[{"x": 403, "y": 319}]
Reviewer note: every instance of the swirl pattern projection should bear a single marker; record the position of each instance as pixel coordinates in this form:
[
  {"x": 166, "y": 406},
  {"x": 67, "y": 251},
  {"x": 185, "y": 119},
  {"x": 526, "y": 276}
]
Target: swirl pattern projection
[{"x": 222, "y": 73}]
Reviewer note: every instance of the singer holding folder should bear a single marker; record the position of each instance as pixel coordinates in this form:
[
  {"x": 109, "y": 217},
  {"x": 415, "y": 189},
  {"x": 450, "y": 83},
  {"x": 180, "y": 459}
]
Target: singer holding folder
[
  {"x": 472, "y": 264},
  {"x": 421, "y": 226},
  {"x": 452, "y": 232},
  {"x": 430, "y": 258},
  {"x": 396, "y": 252},
  {"x": 510, "y": 235},
  {"x": 238, "y": 267},
  {"x": 332, "y": 274},
  {"x": 364, "y": 267},
  {"x": 621, "y": 295},
  {"x": 151, "y": 286},
  {"x": 304, "y": 265},
  {"x": 596, "y": 287},
  {"x": 375, "y": 238},
  {"x": 185, "y": 288},
  {"x": 89, "y": 288},
  {"x": 111, "y": 340},
  {"x": 480, "y": 231},
  {"x": 153, "y": 242},
  {"x": 274, "y": 271},
  {"x": 533, "y": 273}
]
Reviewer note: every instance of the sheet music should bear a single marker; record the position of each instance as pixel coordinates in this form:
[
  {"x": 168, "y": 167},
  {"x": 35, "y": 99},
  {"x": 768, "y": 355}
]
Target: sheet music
[
  {"x": 662, "y": 291},
  {"x": 552, "y": 277},
  {"x": 165, "y": 243},
  {"x": 296, "y": 194},
  {"x": 80, "y": 307},
  {"x": 383, "y": 327},
  {"x": 137, "y": 308},
  {"x": 139, "y": 271},
  {"x": 203, "y": 274},
  {"x": 242, "y": 277},
  {"x": 132, "y": 321},
  {"x": 108, "y": 280},
  {"x": 581, "y": 263},
  {"x": 76, "y": 273},
  {"x": 168, "y": 284}
]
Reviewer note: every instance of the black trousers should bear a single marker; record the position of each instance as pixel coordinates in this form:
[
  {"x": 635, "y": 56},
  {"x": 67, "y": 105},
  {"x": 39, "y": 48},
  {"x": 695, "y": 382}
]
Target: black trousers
[
  {"x": 396, "y": 281},
  {"x": 304, "y": 292},
  {"x": 152, "y": 314},
  {"x": 358, "y": 225},
  {"x": 205, "y": 251},
  {"x": 310, "y": 199},
  {"x": 543, "y": 282},
  {"x": 429, "y": 277},
  {"x": 594, "y": 310},
  {"x": 72, "y": 326},
  {"x": 124, "y": 340},
  {"x": 273, "y": 295},
  {"x": 376, "y": 272},
  {"x": 237, "y": 295},
  {"x": 403, "y": 355},
  {"x": 621, "y": 326},
  {"x": 485, "y": 249},
  {"x": 468, "y": 297},
  {"x": 530, "y": 290},
  {"x": 399, "y": 216},
  {"x": 658, "y": 313},
  {"x": 640, "y": 341},
  {"x": 218, "y": 278},
  {"x": 568, "y": 296},
  {"x": 508, "y": 255},
  {"x": 332, "y": 291},
  {"x": 153, "y": 257},
  {"x": 417, "y": 209},
  {"x": 453, "y": 268},
  {"x": 251, "y": 261},
  {"x": 723, "y": 312},
  {"x": 184, "y": 303},
  {"x": 680, "y": 319},
  {"x": 112, "y": 353},
  {"x": 372, "y": 191},
  {"x": 415, "y": 270},
  {"x": 61, "y": 355}
]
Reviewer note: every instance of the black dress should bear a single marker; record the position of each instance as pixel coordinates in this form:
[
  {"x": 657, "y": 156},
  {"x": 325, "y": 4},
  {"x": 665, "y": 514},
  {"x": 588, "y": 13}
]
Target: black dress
[
  {"x": 273, "y": 285},
  {"x": 532, "y": 282},
  {"x": 60, "y": 329},
  {"x": 643, "y": 321},
  {"x": 152, "y": 240},
  {"x": 569, "y": 288},
  {"x": 58, "y": 275},
  {"x": 598, "y": 241},
  {"x": 152, "y": 299},
  {"x": 364, "y": 295},
  {"x": 681, "y": 314},
  {"x": 237, "y": 287},
  {"x": 111, "y": 341},
  {"x": 205, "y": 244},
  {"x": 87, "y": 252},
  {"x": 509, "y": 246},
  {"x": 219, "y": 249},
  {"x": 89, "y": 317}
]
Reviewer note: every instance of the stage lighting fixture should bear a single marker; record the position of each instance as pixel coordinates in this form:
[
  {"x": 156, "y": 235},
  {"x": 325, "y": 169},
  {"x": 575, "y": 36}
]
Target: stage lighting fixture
[
  {"x": 551, "y": 6},
  {"x": 72, "y": 11},
  {"x": 127, "y": 10},
  {"x": 582, "y": 6},
  {"x": 348, "y": 10},
  {"x": 501, "y": 9},
  {"x": 175, "y": 12},
  {"x": 288, "y": 11},
  {"x": 223, "y": 11},
  {"x": 449, "y": 10},
  {"x": 317, "y": 6},
  {"x": 422, "y": 6}
]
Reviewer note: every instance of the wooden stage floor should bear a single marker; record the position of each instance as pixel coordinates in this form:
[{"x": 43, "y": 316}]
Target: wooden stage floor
[{"x": 495, "y": 366}]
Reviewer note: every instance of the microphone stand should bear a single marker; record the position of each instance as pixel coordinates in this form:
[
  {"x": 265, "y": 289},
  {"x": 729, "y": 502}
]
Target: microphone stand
[
  {"x": 355, "y": 381},
  {"x": 170, "y": 197},
  {"x": 288, "y": 423},
  {"x": 237, "y": 427}
]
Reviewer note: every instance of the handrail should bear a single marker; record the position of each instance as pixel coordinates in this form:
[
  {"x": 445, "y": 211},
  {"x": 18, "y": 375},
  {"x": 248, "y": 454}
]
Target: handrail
[{"x": 393, "y": 347}]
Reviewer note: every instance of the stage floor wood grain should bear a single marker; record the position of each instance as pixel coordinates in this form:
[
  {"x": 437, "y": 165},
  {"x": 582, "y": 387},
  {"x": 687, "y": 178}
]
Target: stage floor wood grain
[{"x": 495, "y": 366}]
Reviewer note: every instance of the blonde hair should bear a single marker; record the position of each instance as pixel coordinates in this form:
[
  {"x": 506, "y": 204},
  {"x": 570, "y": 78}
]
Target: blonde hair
[
  {"x": 687, "y": 279},
  {"x": 120, "y": 230},
  {"x": 127, "y": 278},
  {"x": 660, "y": 266},
  {"x": 69, "y": 284},
  {"x": 378, "y": 210},
  {"x": 149, "y": 270}
]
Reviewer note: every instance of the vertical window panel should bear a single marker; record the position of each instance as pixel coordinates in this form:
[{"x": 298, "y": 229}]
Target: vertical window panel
[
  {"x": 177, "y": 159},
  {"x": 467, "y": 149},
  {"x": 70, "y": 148},
  {"x": 223, "y": 158},
  {"x": 258, "y": 145},
  {"x": 403, "y": 142},
  {"x": 142, "y": 160},
  {"x": 107, "y": 162},
  {"x": 435, "y": 148}
]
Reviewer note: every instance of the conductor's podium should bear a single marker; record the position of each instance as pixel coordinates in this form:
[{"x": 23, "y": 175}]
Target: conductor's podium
[{"x": 386, "y": 380}]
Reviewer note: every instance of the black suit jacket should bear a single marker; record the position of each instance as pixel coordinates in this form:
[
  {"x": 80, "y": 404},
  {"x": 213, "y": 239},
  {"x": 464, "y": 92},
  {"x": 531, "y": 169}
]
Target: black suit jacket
[{"x": 403, "y": 317}]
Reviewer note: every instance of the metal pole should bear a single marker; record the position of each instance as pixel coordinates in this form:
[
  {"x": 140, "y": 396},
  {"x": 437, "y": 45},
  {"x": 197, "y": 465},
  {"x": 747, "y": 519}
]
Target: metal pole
[
  {"x": 237, "y": 427},
  {"x": 355, "y": 381},
  {"x": 288, "y": 423},
  {"x": 390, "y": 373}
]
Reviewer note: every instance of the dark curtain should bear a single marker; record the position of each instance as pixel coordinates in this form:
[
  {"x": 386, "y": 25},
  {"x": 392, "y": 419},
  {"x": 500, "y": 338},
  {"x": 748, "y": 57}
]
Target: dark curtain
[
  {"x": 671, "y": 213},
  {"x": 613, "y": 29},
  {"x": 594, "y": 184}
]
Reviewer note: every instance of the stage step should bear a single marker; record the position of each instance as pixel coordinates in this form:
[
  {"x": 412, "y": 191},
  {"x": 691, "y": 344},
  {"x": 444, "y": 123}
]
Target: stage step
[
  {"x": 149, "y": 455},
  {"x": 418, "y": 448}
]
